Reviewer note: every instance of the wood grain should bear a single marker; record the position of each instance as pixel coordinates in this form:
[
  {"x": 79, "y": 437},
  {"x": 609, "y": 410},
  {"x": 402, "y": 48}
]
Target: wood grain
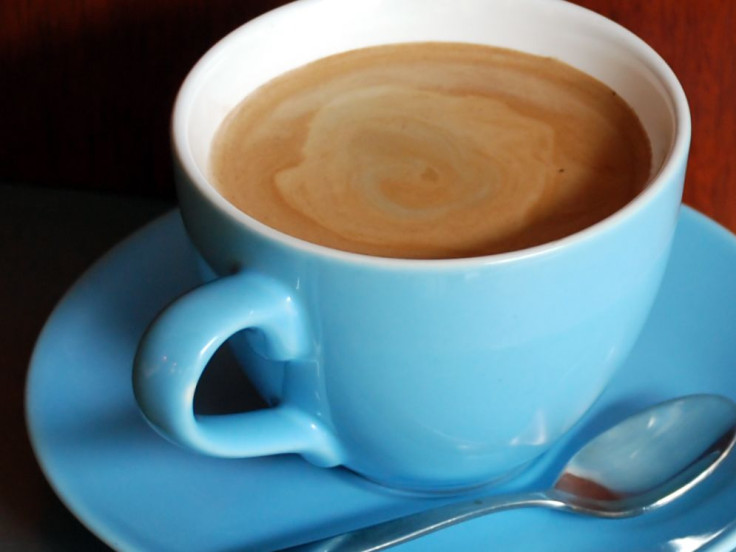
[
  {"x": 698, "y": 40},
  {"x": 88, "y": 85}
]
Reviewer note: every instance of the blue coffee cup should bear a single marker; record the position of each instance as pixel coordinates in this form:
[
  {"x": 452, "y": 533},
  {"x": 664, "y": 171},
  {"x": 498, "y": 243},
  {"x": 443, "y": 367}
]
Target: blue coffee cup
[{"x": 430, "y": 375}]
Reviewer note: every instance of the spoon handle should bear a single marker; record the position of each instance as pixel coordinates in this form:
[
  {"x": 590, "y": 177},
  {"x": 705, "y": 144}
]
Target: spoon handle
[{"x": 396, "y": 531}]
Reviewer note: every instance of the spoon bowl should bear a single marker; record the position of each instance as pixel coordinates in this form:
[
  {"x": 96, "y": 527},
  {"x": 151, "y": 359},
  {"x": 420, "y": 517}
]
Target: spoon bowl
[{"x": 642, "y": 463}]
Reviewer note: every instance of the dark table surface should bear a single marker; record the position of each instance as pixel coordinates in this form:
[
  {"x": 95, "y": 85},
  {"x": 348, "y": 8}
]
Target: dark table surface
[{"x": 47, "y": 240}]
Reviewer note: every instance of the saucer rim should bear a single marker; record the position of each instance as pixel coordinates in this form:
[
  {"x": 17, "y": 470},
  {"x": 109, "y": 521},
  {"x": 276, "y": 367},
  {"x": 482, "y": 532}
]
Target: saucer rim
[{"x": 116, "y": 538}]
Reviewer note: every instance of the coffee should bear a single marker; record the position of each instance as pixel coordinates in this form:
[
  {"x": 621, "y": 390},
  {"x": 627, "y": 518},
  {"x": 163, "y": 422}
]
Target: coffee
[{"x": 431, "y": 150}]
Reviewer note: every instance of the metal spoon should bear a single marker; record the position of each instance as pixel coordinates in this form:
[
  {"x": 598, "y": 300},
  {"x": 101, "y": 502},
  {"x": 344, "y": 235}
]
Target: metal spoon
[{"x": 644, "y": 462}]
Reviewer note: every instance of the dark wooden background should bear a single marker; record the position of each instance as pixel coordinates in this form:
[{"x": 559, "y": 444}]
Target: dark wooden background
[{"x": 87, "y": 86}]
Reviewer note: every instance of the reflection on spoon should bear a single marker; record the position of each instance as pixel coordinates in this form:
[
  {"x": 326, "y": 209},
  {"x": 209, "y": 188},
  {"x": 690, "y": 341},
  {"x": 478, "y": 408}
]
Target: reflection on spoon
[{"x": 644, "y": 462}]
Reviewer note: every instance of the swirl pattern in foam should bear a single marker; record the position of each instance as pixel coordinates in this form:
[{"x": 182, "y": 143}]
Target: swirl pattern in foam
[{"x": 431, "y": 150}]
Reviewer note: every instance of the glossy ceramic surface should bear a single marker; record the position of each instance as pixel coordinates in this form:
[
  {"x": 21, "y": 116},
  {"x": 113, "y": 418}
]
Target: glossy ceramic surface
[
  {"x": 434, "y": 374},
  {"x": 139, "y": 492}
]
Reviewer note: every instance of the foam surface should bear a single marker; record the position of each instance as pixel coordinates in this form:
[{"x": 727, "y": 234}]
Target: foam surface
[{"x": 431, "y": 150}]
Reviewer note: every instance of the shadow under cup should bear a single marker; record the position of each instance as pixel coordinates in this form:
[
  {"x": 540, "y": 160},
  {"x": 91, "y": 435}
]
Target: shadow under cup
[{"x": 430, "y": 374}]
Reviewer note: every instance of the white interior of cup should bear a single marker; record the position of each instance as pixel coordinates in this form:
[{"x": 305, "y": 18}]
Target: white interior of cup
[{"x": 310, "y": 29}]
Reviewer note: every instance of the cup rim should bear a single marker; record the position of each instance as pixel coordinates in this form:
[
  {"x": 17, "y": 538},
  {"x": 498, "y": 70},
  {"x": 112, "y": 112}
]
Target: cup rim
[{"x": 657, "y": 184}]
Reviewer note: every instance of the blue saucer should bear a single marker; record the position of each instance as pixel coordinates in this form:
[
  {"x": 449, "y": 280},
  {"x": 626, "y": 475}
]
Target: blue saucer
[{"x": 136, "y": 491}]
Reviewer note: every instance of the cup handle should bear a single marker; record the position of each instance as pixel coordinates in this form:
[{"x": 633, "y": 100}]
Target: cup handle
[{"x": 174, "y": 352}]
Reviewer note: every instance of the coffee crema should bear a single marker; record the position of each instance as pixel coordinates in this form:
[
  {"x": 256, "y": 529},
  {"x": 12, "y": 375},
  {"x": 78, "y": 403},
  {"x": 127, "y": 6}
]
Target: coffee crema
[{"x": 431, "y": 150}]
